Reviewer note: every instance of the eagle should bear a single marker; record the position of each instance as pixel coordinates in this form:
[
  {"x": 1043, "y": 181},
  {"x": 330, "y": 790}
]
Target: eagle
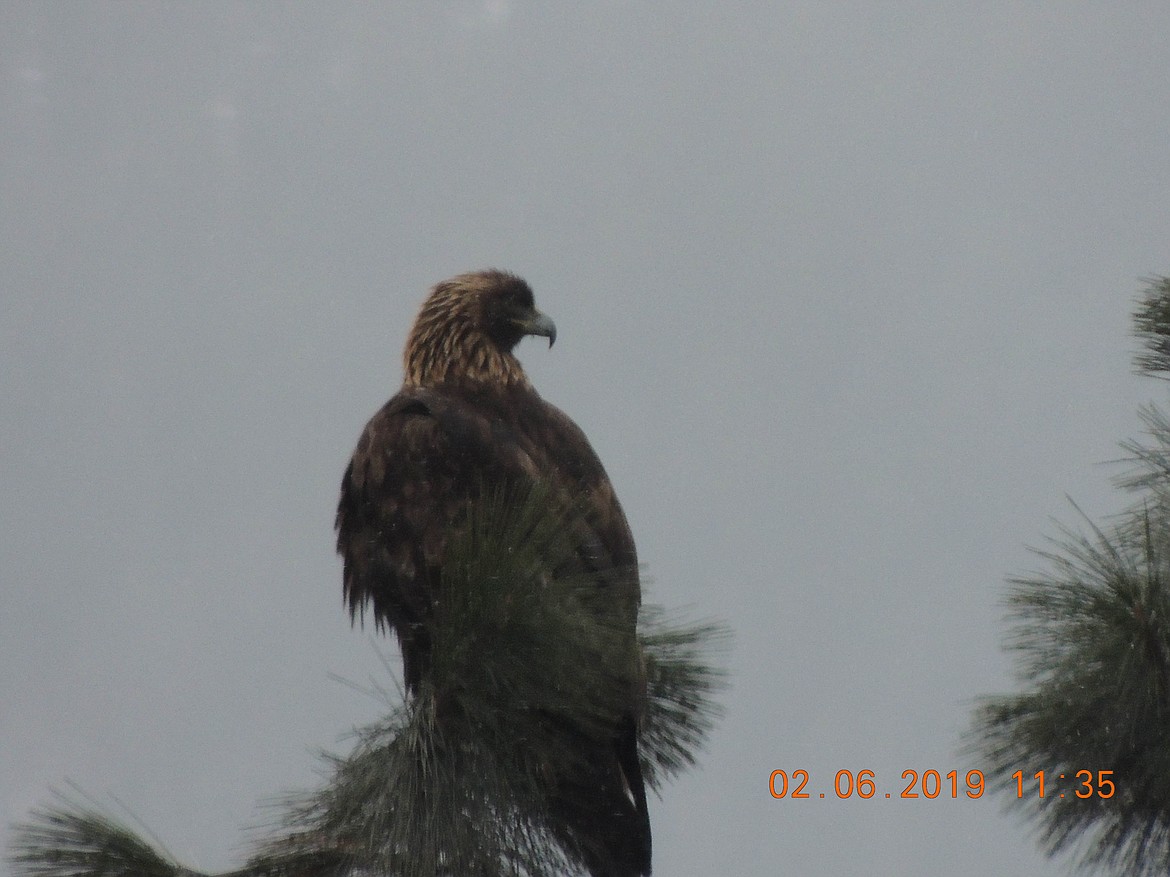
[{"x": 467, "y": 420}]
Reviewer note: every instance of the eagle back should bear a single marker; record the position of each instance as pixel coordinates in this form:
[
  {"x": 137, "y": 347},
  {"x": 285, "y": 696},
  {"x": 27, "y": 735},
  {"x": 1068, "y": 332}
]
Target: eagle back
[{"x": 421, "y": 461}]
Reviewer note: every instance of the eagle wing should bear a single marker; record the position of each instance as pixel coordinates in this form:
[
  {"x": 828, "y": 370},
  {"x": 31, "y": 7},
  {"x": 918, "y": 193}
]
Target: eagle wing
[
  {"x": 580, "y": 475},
  {"x": 407, "y": 481}
]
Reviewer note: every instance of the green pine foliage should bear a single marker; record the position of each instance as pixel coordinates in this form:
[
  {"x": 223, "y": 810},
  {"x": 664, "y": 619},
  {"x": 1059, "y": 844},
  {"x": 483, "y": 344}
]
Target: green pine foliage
[
  {"x": 681, "y": 688},
  {"x": 456, "y": 779},
  {"x": 69, "y": 839},
  {"x": 1091, "y": 640},
  {"x": 1152, "y": 325}
]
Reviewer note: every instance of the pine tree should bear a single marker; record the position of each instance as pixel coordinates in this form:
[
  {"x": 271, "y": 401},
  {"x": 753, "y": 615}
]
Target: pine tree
[
  {"x": 1091, "y": 640},
  {"x": 456, "y": 779}
]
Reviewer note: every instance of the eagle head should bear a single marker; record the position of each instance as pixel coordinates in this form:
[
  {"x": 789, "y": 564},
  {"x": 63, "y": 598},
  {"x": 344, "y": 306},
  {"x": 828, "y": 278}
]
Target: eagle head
[{"x": 467, "y": 328}]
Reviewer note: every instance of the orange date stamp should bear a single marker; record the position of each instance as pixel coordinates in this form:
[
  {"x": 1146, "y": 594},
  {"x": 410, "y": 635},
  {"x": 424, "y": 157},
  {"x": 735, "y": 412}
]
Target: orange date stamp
[{"x": 932, "y": 784}]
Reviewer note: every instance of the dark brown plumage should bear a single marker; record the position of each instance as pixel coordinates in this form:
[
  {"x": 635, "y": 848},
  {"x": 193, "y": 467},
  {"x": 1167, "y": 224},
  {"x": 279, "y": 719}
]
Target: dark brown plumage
[{"x": 467, "y": 418}]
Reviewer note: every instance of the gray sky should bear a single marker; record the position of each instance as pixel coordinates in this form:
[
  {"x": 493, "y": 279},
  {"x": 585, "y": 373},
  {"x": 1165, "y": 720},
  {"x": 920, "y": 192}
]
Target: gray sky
[{"x": 843, "y": 297}]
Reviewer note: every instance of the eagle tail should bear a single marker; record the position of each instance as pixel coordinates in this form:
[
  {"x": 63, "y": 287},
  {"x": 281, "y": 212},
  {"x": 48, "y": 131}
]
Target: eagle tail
[
  {"x": 627, "y": 753},
  {"x": 601, "y": 813}
]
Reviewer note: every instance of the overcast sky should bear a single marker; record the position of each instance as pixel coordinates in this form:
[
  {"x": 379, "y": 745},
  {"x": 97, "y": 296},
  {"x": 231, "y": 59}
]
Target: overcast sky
[{"x": 842, "y": 294}]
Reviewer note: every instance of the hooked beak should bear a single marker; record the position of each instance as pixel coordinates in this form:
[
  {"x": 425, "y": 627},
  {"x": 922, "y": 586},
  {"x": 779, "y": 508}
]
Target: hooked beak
[{"x": 540, "y": 324}]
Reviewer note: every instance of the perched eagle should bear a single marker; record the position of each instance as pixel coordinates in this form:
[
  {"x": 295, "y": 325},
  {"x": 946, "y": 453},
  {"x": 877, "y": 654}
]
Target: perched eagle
[{"x": 467, "y": 418}]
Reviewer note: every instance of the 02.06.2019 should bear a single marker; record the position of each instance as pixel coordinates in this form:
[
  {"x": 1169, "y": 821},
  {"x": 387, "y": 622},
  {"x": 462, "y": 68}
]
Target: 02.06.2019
[{"x": 928, "y": 784}]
